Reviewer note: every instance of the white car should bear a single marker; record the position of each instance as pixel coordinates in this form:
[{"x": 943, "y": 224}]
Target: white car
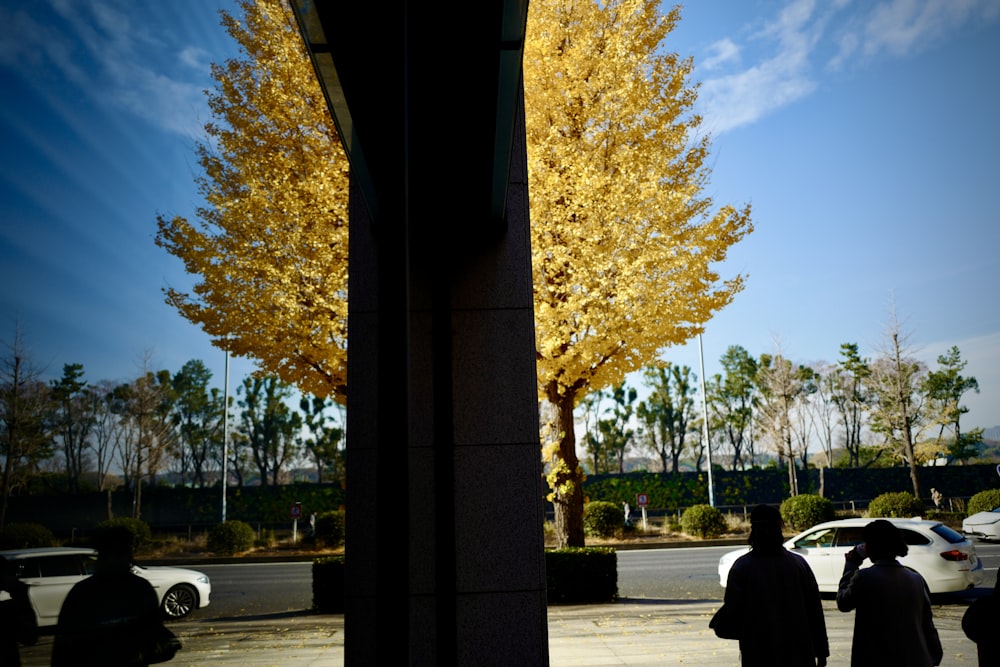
[
  {"x": 984, "y": 525},
  {"x": 51, "y": 572},
  {"x": 944, "y": 558}
]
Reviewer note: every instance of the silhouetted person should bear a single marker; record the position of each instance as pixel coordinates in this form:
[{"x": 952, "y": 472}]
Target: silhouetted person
[
  {"x": 773, "y": 600},
  {"x": 18, "y": 624},
  {"x": 893, "y": 621},
  {"x": 981, "y": 623},
  {"x": 112, "y": 618}
]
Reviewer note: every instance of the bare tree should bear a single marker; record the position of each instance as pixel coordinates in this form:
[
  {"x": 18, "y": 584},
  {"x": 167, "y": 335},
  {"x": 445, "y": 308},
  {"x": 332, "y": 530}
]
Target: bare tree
[
  {"x": 824, "y": 409},
  {"x": 783, "y": 390},
  {"x": 24, "y": 403},
  {"x": 898, "y": 380},
  {"x": 145, "y": 407},
  {"x": 107, "y": 433}
]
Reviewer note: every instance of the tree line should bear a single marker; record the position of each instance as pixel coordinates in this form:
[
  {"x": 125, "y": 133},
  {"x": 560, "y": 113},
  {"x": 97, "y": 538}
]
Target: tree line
[
  {"x": 75, "y": 435},
  {"x": 856, "y": 412}
]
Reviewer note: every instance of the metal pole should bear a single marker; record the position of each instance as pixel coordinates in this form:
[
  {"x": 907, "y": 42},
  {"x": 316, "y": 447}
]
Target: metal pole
[
  {"x": 225, "y": 437},
  {"x": 704, "y": 418}
]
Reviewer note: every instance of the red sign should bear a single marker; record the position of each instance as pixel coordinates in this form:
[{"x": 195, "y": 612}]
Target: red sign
[
  {"x": 296, "y": 510},
  {"x": 641, "y": 499}
]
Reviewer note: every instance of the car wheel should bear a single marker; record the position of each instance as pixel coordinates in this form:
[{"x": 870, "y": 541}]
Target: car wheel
[{"x": 179, "y": 601}]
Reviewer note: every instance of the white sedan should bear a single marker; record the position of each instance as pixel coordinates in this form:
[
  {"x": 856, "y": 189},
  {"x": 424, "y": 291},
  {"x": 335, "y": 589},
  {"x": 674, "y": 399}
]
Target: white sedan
[
  {"x": 944, "y": 558},
  {"x": 984, "y": 525},
  {"x": 51, "y": 572}
]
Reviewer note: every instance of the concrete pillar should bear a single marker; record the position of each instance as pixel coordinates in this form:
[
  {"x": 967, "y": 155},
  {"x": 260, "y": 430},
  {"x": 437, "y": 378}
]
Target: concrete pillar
[{"x": 445, "y": 550}]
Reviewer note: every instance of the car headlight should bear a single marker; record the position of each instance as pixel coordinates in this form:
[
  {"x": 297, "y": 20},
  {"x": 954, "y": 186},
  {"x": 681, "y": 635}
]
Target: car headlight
[{"x": 203, "y": 579}]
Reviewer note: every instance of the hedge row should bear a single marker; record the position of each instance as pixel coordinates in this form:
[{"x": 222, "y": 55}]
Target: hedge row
[{"x": 770, "y": 486}]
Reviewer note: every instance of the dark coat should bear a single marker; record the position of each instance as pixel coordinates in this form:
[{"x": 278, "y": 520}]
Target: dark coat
[
  {"x": 981, "y": 622},
  {"x": 18, "y": 624},
  {"x": 777, "y": 601},
  {"x": 893, "y": 621},
  {"x": 107, "y": 620}
]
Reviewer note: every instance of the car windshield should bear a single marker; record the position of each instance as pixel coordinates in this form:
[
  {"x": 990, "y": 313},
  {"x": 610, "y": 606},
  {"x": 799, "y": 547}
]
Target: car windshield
[{"x": 947, "y": 533}]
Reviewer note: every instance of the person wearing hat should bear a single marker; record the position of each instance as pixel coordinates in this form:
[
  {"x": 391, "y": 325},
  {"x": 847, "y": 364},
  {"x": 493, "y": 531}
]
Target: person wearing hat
[
  {"x": 893, "y": 621},
  {"x": 772, "y": 603}
]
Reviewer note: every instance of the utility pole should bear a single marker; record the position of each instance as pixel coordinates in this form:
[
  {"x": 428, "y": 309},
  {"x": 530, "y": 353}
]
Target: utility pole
[
  {"x": 704, "y": 424},
  {"x": 225, "y": 437}
]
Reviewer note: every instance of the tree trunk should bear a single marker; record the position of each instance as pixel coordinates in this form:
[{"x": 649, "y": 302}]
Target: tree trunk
[
  {"x": 793, "y": 480},
  {"x": 911, "y": 455},
  {"x": 567, "y": 480}
]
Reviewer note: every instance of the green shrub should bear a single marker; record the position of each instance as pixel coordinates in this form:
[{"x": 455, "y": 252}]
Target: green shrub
[
  {"x": 26, "y": 536},
  {"x": 231, "y": 537},
  {"x": 805, "y": 510},
  {"x": 581, "y": 575},
  {"x": 602, "y": 519},
  {"x": 703, "y": 521},
  {"x": 984, "y": 501},
  {"x": 330, "y": 528},
  {"x": 141, "y": 534},
  {"x": 900, "y": 505}
]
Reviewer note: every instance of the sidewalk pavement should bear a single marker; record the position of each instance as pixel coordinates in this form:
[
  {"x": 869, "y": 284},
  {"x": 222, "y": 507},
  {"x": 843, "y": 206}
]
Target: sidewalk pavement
[{"x": 632, "y": 631}]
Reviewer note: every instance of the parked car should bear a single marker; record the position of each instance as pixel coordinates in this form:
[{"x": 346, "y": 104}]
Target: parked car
[
  {"x": 945, "y": 558},
  {"x": 984, "y": 525},
  {"x": 51, "y": 572}
]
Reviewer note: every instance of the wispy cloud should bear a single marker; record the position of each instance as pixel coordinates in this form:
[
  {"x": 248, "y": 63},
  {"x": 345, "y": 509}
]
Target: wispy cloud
[
  {"x": 105, "y": 52},
  {"x": 781, "y": 63},
  {"x": 745, "y": 96},
  {"x": 902, "y": 27},
  {"x": 720, "y": 53}
]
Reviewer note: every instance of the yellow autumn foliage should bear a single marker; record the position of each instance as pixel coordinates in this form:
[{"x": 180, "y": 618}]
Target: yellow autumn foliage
[
  {"x": 623, "y": 240},
  {"x": 270, "y": 248}
]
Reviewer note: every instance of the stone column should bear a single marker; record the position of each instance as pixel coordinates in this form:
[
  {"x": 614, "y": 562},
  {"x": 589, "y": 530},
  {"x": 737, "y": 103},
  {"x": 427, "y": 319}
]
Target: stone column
[{"x": 445, "y": 547}]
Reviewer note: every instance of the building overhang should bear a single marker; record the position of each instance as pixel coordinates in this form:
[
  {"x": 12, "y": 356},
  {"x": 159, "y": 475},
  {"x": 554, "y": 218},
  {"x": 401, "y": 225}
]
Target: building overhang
[{"x": 409, "y": 90}]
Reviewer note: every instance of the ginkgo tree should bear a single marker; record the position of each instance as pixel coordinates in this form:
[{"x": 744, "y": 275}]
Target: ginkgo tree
[
  {"x": 623, "y": 240},
  {"x": 270, "y": 248}
]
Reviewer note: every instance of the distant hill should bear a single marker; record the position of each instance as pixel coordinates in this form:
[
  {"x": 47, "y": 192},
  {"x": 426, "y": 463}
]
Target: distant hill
[{"x": 992, "y": 434}]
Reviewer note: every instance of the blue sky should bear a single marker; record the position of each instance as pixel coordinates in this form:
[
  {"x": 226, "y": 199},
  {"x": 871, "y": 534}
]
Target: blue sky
[{"x": 863, "y": 133}]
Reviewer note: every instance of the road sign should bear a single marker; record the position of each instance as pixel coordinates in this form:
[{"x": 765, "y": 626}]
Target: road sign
[
  {"x": 641, "y": 499},
  {"x": 296, "y": 510}
]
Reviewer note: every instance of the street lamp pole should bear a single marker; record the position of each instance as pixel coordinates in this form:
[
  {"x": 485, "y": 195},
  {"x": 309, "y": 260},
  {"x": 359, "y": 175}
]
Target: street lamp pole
[
  {"x": 704, "y": 424},
  {"x": 225, "y": 436}
]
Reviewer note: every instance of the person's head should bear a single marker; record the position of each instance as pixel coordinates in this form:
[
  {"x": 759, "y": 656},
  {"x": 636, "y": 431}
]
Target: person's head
[
  {"x": 114, "y": 549},
  {"x": 883, "y": 541},
  {"x": 765, "y": 529}
]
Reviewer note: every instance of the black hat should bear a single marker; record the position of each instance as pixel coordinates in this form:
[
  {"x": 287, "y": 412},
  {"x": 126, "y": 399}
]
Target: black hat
[
  {"x": 883, "y": 539},
  {"x": 765, "y": 514}
]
